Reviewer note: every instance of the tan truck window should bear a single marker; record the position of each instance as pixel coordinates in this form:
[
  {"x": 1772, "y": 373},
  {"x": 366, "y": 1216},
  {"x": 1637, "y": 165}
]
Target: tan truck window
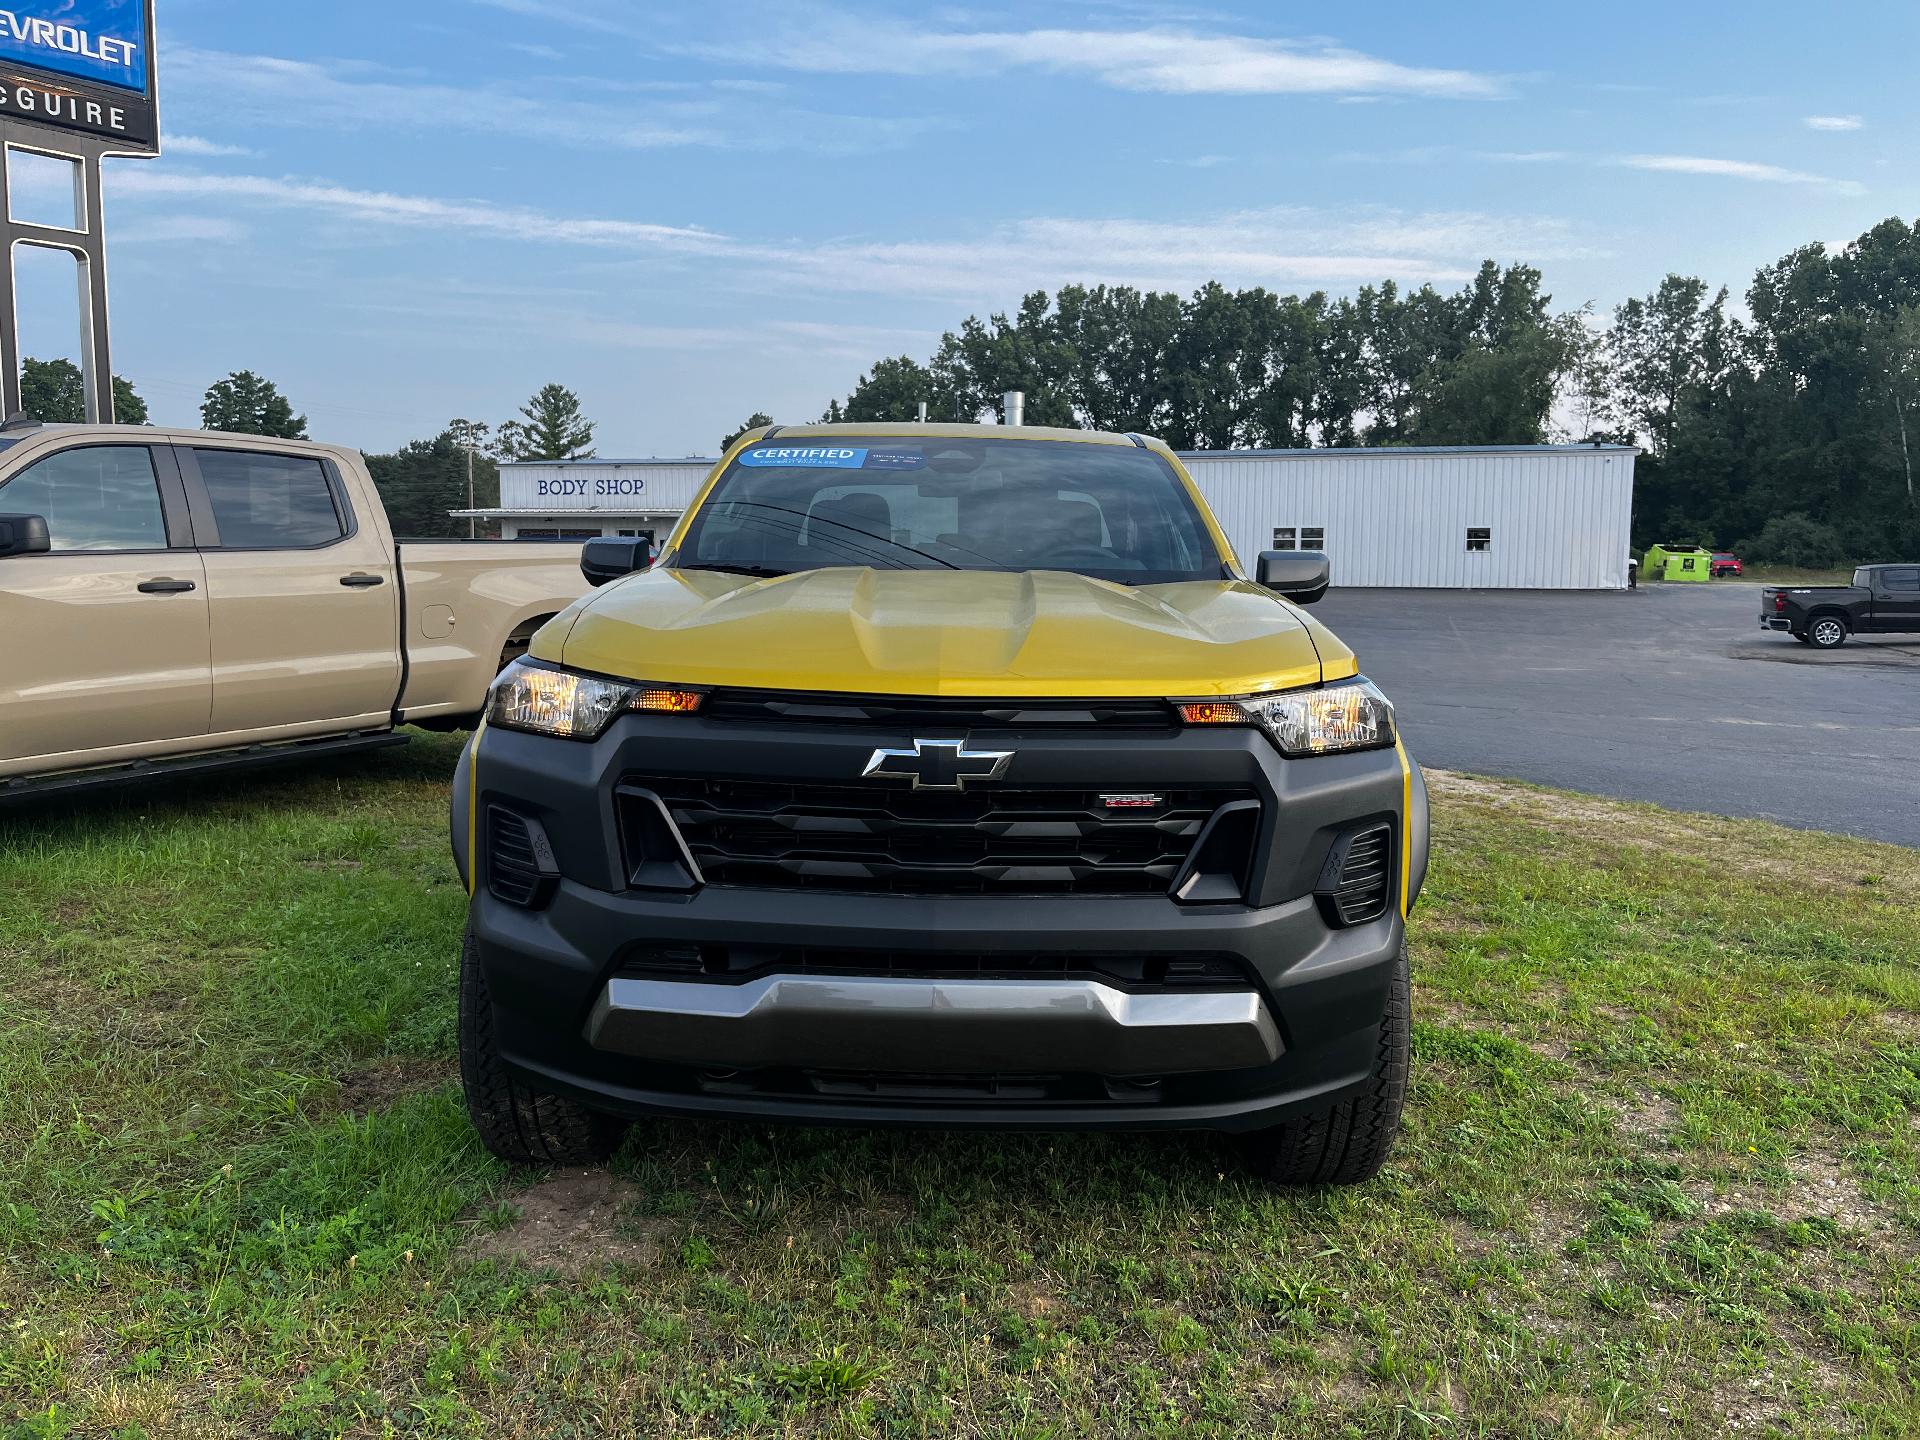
[
  {"x": 269, "y": 502},
  {"x": 93, "y": 497}
]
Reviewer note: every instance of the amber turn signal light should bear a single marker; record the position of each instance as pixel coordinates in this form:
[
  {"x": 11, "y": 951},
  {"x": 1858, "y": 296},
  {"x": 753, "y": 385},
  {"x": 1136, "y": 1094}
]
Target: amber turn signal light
[
  {"x": 1213, "y": 712},
  {"x": 671, "y": 702}
]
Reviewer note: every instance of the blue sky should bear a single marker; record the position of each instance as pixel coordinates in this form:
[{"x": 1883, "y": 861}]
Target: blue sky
[{"x": 417, "y": 209}]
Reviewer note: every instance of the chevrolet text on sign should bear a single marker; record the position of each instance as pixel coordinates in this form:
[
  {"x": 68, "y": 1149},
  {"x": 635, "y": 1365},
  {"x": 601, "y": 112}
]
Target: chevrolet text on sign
[{"x": 84, "y": 66}]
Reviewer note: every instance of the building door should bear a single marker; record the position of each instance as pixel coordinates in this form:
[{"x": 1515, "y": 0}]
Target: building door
[
  {"x": 106, "y": 635},
  {"x": 303, "y": 593}
]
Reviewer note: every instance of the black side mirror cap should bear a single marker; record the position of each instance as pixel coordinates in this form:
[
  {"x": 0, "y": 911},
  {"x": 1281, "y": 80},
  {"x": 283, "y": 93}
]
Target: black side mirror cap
[
  {"x": 1301, "y": 576},
  {"x": 611, "y": 557},
  {"x": 24, "y": 535}
]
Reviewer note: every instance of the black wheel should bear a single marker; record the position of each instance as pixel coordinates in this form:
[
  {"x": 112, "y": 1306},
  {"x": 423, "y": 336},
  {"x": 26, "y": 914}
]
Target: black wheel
[
  {"x": 520, "y": 1125},
  {"x": 1826, "y": 632},
  {"x": 1350, "y": 1141}
]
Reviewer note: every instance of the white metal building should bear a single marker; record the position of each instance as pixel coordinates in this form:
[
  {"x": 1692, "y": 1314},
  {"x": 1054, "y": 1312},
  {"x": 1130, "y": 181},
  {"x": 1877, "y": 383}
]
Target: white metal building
[{"x": 1527, "y": 517}]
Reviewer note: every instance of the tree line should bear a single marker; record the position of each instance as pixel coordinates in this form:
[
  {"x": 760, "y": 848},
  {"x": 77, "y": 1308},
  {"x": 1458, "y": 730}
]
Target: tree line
[
  {"x": 1791, "y": 433},
  {"x": 418, "y": 483}
]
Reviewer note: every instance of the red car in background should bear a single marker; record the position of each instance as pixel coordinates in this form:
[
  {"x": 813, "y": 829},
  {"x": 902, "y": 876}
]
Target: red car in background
[{"x": 1725, "y": 564}]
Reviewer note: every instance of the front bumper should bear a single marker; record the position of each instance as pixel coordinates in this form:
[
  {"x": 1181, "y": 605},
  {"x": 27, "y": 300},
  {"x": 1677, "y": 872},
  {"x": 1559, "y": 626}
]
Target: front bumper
[
  {"x": 1067, "y": 1051},
  {"x": 893, "y": 1023}
]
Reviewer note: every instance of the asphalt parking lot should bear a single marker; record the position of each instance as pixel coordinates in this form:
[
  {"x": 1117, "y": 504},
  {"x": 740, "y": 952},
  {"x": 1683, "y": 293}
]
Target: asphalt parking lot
[{"x": 1670, "y": 694}]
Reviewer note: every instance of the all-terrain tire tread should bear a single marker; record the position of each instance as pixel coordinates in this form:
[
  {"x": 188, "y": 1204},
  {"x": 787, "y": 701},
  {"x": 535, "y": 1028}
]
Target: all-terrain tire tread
[
  {"x": 1349, "y": 1141},
  {"x": 519, "y": 1125}
]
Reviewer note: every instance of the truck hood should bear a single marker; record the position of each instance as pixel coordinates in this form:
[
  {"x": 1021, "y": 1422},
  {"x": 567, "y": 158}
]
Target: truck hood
[{"x": 944, "y": 632}]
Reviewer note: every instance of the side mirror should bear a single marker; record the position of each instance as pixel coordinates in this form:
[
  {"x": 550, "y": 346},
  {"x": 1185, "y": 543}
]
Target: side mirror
[
  {"x": 611, "y": 557},
  {"x": 24, "y": 535},
  {"x": 1301, "y": 576}
]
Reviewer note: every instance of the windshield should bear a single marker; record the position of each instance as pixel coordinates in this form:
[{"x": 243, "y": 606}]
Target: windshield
[{"x": 1108, "y": 511}]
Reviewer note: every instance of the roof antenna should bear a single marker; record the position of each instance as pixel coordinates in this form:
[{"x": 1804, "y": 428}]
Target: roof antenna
[{"x": 21, "y": 420}]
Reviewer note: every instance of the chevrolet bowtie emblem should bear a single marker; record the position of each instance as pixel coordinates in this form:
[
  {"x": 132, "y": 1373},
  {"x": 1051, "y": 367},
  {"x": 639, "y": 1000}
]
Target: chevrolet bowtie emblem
[{"x": 938, "y": 765}]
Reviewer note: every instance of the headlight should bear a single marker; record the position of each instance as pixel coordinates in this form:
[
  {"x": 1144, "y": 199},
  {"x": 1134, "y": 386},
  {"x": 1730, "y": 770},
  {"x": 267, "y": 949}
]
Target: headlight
[
  {"x": 546, "y": 700},
  {"x": 1325, "y": 720}
]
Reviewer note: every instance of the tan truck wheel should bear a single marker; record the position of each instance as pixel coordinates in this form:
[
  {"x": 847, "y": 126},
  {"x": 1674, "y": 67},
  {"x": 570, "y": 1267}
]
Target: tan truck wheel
[
  {"x": 521, "y": 1126},
  {"x": 1348, "y": 1142}
]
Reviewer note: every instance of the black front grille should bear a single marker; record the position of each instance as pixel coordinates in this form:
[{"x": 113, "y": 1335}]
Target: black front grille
[
  {"x": 733, "y": 964},
  {"x": 513, "y": 864},
  {"x": 993, "y": 839},
  {"x": 1359, "y": 893},
  {"x": 913, "y": 712}
]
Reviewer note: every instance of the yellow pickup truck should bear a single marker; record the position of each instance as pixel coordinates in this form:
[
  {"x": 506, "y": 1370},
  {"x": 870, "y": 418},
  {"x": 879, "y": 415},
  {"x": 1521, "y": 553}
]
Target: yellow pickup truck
[
  {"x": 180, "y": 599},
  {"x": 942, "y": 775}
]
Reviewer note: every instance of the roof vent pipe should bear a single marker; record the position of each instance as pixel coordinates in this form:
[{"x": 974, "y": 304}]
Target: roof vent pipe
[
  {"x": 920, "y": 412},
  {"x": 1013, "y": 408}
]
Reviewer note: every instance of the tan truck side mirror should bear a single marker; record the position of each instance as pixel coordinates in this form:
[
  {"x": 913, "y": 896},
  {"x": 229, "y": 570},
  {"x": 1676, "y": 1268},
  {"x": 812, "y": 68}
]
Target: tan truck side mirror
[{"x": 24, "y": 535}]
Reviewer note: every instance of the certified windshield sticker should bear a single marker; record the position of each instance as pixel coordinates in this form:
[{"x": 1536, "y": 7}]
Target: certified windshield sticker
[
  {"x": 807, "y": 457},
  {"x": 896, "y": 460}
]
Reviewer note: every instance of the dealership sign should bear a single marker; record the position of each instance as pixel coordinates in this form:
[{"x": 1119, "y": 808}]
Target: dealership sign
[{"x": 85, "y": 67}]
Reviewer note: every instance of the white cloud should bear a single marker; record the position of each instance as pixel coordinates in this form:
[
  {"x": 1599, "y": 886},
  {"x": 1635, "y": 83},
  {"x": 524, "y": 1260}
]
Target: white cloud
[
  {"x": 177, "y": 229},
  {"x": 1296, "y": 248},
  {"x": 386, "y": 207},
  {"x": 195, "y": 145},
  {"x": 1523, "y": 157},
  {"x": 1738, "y": 170},
  {"x": 1168, "y": 61},
  {"x": 1834, "y": 122},
  {"x": 271, "y": 90}
]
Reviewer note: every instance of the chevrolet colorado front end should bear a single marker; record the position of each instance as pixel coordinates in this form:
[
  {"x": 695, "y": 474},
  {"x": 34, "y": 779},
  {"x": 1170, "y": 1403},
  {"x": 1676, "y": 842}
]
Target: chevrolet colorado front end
[{"x": 944, "y": 776}]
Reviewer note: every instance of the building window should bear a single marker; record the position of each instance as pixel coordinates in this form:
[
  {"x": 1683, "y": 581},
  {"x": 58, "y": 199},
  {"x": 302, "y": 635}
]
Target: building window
[
  {"x": 1286, "y": 539},
  {"x": 1479, "y": 538},
  {"x": 1312, "y": 537}
]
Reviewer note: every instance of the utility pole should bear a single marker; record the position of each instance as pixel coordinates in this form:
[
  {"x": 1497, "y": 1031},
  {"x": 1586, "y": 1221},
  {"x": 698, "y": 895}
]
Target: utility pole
[{"x": 469, "y": 434}]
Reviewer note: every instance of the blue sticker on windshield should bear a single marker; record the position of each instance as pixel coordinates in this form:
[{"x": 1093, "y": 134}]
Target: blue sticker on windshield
[
  {"x": 896, "y": 460},
  {"x": 808, "y": 457}
]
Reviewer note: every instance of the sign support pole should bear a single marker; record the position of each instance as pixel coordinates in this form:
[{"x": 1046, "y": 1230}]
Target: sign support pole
[{"x": 87, "y": 244}]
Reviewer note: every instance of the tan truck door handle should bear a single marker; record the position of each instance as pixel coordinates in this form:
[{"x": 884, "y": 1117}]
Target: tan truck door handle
[
  {"x": 165, "y": 586},
  {"x": 359, "y": 580}
]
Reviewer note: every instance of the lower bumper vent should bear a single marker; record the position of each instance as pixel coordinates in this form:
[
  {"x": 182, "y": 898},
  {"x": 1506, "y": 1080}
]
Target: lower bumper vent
[
  {"x": 1357, "y": 884},
  {"x": 520, "y": 866}
]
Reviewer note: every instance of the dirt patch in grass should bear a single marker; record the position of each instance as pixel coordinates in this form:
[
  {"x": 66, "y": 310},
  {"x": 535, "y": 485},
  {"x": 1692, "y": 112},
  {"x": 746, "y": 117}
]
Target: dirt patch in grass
[
  {"x": 1647, "y": 1116},
  {"x": 575, "y": 1222},
  {"x": 1825, "y": 1187},
  {"x": 1033, "y": 1301},
  {"x": 376, "y": 1086}
]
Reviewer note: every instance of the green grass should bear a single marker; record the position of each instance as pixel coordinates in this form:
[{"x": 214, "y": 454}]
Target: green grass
[
  {"x": 1795, "y": 575},
  {"x": 1661, "y": 1173}
]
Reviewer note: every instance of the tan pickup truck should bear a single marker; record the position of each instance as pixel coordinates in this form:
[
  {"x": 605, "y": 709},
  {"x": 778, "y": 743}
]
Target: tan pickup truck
[{"x": 177, "y": 599}]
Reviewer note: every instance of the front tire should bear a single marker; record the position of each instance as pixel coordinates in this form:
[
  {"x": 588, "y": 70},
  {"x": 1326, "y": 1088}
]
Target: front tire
[
  {"x": 1348, "y": 1142},
  {"x": 520, "y": 1126},
  {"x": 1827, "y": 632}
]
